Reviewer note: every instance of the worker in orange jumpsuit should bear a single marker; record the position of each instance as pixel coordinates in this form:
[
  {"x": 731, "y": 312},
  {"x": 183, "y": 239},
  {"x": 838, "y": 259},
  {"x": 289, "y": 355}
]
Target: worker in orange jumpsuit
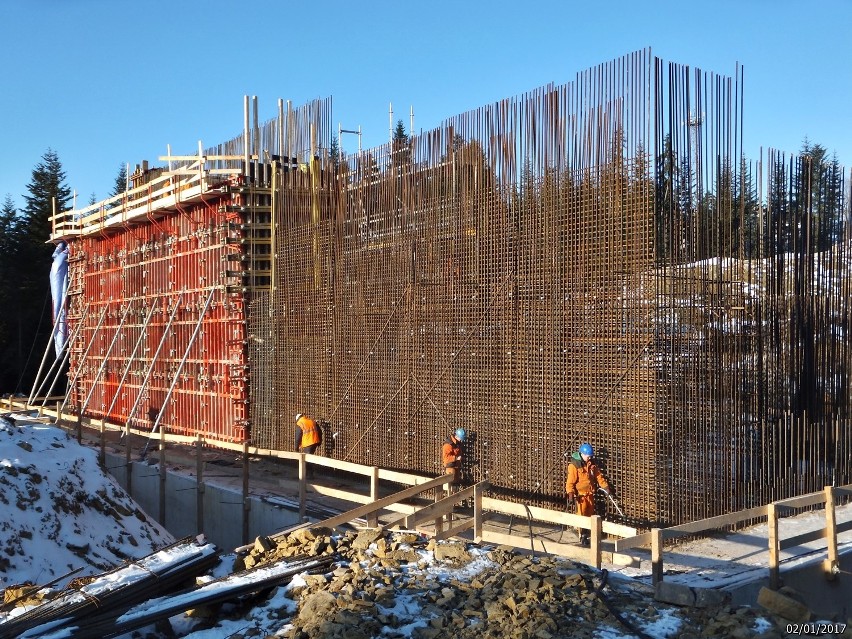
[
  {"x": 308, "y": 436},
  {"x": 451, "y": 454},
  {"x": 584, "y": 478}
]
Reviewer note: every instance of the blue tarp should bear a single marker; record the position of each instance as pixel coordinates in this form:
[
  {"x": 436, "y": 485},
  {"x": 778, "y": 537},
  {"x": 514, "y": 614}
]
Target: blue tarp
[{"x": 58, "y": 287}]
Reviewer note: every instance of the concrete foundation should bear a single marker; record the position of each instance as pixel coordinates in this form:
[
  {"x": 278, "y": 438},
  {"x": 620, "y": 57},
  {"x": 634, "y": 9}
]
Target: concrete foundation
[{"x": 223, "y": 509}]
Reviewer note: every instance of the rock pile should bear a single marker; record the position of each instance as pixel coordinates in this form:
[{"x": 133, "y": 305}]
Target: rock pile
[{"x": 465, "y": 591}]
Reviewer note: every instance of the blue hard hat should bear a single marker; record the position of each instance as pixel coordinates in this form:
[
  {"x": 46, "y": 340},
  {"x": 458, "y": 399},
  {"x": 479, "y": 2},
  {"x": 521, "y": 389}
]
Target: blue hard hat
[
  {"x": 460, "y": 434},
  {"x": 586, "y": 449}
]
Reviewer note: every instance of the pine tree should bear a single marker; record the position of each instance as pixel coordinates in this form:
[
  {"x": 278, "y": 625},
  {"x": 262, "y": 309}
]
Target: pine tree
[
  {"x": 334, "y": 152},
  {"x": 120, "y": 181},
  {"x": 8, "y": 275},
  {"x": 31, "y": 315},
  {"x": 400, "y": 151},
  {"x": 47, "y": 185}
]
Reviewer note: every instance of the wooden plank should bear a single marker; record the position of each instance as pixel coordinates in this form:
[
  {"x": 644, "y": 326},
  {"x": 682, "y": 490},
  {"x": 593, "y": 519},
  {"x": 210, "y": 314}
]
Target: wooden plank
[
  {"x": 802, "y": 501},
  {"x": 540, "y": 544},
  {"x": 831, "y": 530},
  {"x": 798, "y": 540},
  {"x": 361, "y": 511},
  {"x": 656, "y": 555},
  {"x": 774, "y": 546},
  {"x": 695, "y": 527},
  {"x": 439, "y": 508},
  {"x": 712, "y": 523},
  {"x": 345, "y": 495},
  {"x": 462, "y": 527},
  {"x": 339, "y": 464},
  {"x": 409, "y": 479},
  {"x": 553, "y": 516},
  {"x": 843, "y": 490}
]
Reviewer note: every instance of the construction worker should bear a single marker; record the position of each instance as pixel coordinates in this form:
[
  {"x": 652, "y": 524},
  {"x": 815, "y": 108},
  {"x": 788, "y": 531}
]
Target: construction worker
[
  {"x": 584, "y": 478},
  {"x": 308, "y": 435},
  {"x": 451, "y": 454}
]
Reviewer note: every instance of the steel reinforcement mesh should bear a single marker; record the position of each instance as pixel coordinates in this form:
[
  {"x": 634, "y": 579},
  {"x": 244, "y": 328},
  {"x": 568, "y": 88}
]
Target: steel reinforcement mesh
[{"x": 582, "y": 262}]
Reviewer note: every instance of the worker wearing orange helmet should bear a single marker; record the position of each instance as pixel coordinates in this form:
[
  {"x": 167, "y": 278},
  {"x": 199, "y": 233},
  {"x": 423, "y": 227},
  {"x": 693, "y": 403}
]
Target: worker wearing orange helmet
[
  {"x": 584, "y": 478},
  {"x": 451, "y": 454}
]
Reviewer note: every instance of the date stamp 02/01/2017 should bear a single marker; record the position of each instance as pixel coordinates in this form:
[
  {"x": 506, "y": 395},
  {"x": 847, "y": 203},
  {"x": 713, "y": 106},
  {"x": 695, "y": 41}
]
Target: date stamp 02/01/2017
[{"x": 816, "y": 629}]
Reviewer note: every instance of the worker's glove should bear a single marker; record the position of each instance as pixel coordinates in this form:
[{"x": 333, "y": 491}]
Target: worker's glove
[
  {"x": 571, "y": 501},
  {"x": 605, "y": 491}
]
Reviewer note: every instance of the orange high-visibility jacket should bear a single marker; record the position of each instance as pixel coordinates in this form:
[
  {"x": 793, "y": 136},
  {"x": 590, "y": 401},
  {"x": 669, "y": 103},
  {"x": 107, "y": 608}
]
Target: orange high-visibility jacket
[
  {"x": 584, "y": 478},
  {"x": 451, "y": 452},
  {"x": 310, "y": 431}
]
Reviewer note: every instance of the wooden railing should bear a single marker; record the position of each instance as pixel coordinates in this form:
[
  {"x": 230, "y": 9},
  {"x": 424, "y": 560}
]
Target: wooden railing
[
  {"x": 166, "y": 191},
  {"x": 439, "y": 514},
  {"x": 657, "y": 537}
]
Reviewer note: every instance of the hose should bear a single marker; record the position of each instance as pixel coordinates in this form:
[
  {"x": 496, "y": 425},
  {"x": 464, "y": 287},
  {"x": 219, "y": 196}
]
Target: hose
[{"x": 615, "y": 613}]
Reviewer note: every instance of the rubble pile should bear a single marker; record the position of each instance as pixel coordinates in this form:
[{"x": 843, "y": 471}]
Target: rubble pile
[{"x": 466, "y": 591}]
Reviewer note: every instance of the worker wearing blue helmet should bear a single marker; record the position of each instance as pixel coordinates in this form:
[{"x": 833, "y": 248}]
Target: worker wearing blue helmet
[
  {"x": 584, "y": 478},
  {"x": 451, "y": 454}
]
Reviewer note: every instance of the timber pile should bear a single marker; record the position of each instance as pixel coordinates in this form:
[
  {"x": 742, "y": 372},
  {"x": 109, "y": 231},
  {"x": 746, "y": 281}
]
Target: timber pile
[{"x": 113, "y": 592}]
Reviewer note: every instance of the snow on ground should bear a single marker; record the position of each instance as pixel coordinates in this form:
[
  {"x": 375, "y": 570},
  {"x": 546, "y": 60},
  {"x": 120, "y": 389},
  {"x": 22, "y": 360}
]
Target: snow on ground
[
  {"x": 61, "y": 512},
  {"x": 732, "y": 559}
]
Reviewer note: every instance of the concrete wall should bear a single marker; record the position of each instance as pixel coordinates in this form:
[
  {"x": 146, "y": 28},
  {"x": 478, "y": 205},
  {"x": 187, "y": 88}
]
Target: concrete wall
[{"x": 223, "y": 506}]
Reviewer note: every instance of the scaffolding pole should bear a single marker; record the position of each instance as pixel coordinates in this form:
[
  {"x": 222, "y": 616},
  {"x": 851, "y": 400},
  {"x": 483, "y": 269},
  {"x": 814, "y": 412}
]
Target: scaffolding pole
[{"x": 179, "y": 369}]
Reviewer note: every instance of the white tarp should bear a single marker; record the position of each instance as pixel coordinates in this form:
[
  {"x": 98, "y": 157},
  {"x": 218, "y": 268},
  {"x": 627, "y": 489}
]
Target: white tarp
[{"x": 58, "y": 287}]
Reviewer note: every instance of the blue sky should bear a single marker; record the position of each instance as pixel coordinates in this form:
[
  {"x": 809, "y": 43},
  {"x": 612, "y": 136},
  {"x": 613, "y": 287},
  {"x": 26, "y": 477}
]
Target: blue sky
[{"x": 108, "y": 82}]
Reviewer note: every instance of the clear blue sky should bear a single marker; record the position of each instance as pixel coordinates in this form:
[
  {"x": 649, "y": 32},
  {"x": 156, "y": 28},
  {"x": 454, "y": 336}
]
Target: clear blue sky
[{"x": 107, "y": 82}]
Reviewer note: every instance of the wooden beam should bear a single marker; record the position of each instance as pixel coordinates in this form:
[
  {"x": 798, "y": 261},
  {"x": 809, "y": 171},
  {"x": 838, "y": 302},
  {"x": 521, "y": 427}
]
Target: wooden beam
[
  {"x": 553, "y": 516},
  {"x": 656, "y": 555},
  {"x": 692, "y": 528},
  {"x": 455, "y": 531},
  {"x": 544, "y": 545},
  {"x": 831, "y": 565},
  {"x": 361, "y": 511},
  {"x": 774, "y": 550},
  {"x": 802, "y": 501},
  {"x": 798, "y": 540}
]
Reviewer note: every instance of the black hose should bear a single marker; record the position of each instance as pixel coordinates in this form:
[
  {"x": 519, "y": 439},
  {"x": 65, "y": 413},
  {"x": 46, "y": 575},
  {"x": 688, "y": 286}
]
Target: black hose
[
  {"x": 529, "y": 525},
  {"x": 615, "y": 613}
]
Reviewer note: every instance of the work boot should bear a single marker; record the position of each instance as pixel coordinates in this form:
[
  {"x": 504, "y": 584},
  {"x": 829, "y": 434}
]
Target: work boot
[{"x": 585, "y": 540}]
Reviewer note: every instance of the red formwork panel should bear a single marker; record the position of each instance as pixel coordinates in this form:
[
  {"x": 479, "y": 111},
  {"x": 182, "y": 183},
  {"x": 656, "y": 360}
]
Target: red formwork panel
[{"x": 141, "y": 338}]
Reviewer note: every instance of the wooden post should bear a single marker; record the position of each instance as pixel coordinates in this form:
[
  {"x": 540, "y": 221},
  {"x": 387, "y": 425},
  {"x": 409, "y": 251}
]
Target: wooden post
[
  {"x": 447, "y": 492},
  {"x": 102, "y": 454},
  {"x": 162, "y": 475},
  {"x": 199, "y": 492},
  {"x": 656, "y": 555},
  {"x": 831, "y": 564},
  {"x": 302, "y": 488},
  {"x": 79, "y": 428},
  {"x": 477, "y": 513},
  {"x": 58, "y": 411},
  {"x": 127, "y": 463},
  {"x": 774, "y": 546},
  {"x": 246, "y": 501},
  {"x": 439, "y": 521},
  {"x": 597, "y": 535},
  {"x": 373, "y": 517}
]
